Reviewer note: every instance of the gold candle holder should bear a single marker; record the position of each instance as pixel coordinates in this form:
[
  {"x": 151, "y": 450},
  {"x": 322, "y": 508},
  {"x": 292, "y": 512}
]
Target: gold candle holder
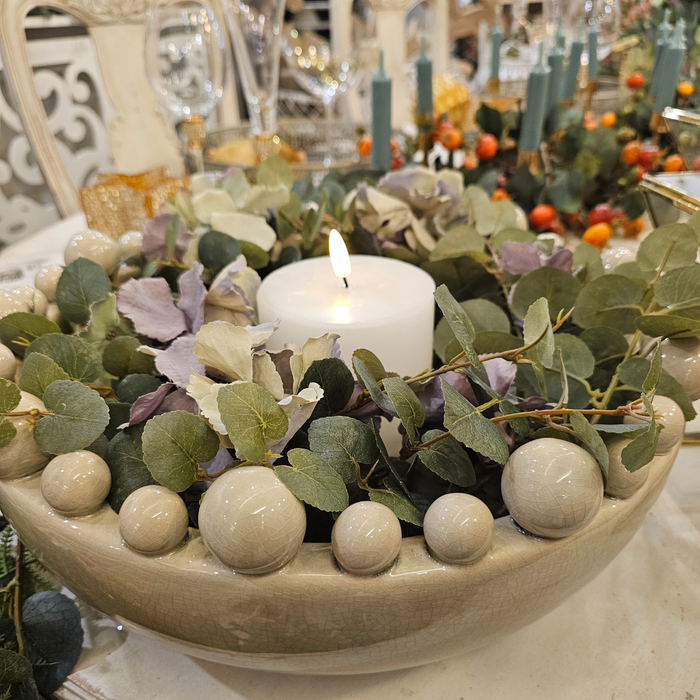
[
  {"x": 194, "y": 131},
  {"x": 591, "y": 89},
  {"x": 532, "y": 159}
]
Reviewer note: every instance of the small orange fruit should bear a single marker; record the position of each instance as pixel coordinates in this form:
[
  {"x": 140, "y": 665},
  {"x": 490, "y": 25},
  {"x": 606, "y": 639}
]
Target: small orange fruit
[
  {"x": 589, "y": 123},
  {"x": 498, "y": 194},
  {"x": 630, "y": 152},
  {"x": 488, "y": 145},
  {"x": 674, "y": 163},
  {"x": 608, "y": 119},
  {"x": 685, "y": 88},
  {"x": 633, "y": 228},
  {"x": 597, "y": 234},
  {"x": 470, "y": 163},
  {"x": 364, "y": 145},
  {"x": 635, "y": 80},
  {"x": 451, "y": 139},
  {"x": 542, "y": 216}
]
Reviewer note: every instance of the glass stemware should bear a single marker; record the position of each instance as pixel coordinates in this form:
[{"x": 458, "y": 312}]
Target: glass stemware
[{"x": 185, "y": 58}]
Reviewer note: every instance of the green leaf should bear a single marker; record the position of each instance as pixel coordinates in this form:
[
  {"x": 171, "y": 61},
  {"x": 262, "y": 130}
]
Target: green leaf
[
  {"x": 24, "y": 326},
  {"x": 632, "y": 271},
  {"x": 312, "y": 480},
  {"x": 565, "y": 191},
  {"x": 592, "y": 441},
  {"x": 408, "y": 406},
  {"x": 75, "y": 356},
  {"x": 618, "y": 428},
  {"x": 81, "y": 415},
  {"x": 654, "y": 375},
  {"x": 664, "y": 325},
  {"x": 82, "y": 284},
  {"x": 471, "y": 428},
  {"x": 255, "y": 256},
  {"x": 105, "y": 323},
  {"x": 385, "y": 462},
  {"x": 520, "y": 425},
  {"x": 38, "y": 373},
  {"x": 251, "y": 416},
  {"x": 578, "y": 359},
  {"x": 342, "y": 441},
  {"x": 274, "y": 171},
  {"x": 372, "y": 362},
  {"x": 490, "y": 121},
  {"x": 587, "y": 258},
  {"x": 559, "y": 288},
  {"x": 174, "y": 444},
  {"x": 447, "y": 459},
  {"x": 10, "y": 396},
  {"x": 13, "y": 668},
  {"x": 604, "y": 342},
  {"x": 537, "y": 321},
  {"x": 337, "y": 382},
  {"x": 171, "y": 231},
  {"x": 135, "y": 385},
  {"x": 458, "y": 241},
  {"x": 402, "y": 508},
  {"x": 634, "y": 372},
  {"x": 121, "y": 357},
  {"x": 289, "y": 212},
  {"x": 511, "y": 234},
  {"x": 643, "y": 448},
  {"x": 381, "y": 399},
  {"x": 482, "y": 209},
  {"x": 612, "y": 301},
  {"x": 215, "y": 250},
  {"x": 679, "y": 289},
  {"x": 488, "y": 342},
  {"x": 633, "y": 204},
  {"x": 125, "y": 459},
  {"x": 675, "y": 243},
  {"x": 7, "y": 431}
]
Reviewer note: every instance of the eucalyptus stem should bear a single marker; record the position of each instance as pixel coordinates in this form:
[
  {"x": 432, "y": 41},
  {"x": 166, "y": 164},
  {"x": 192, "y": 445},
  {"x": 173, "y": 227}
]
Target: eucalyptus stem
[
  {"x": 30, "y": 412},
  {"x": 17, "y": 602}
]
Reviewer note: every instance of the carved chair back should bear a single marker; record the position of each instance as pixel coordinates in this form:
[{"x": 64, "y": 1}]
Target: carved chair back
[{"x": 140, "y": 135}]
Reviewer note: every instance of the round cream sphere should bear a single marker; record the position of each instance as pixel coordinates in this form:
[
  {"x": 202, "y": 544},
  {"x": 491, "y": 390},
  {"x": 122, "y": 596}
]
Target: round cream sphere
[
  {"x": 124, "y": 273},
  {"x": 458, "y": 528},
  {"x": 8, "y": 363},
  {"x": 53, "y": 313},
  {"x": 153, "y": 520},
  {"x": 552, "y": 488},
  {"x": 621, "y": 483},
  {"x": 130, "y": 244},
  {"x": 22, "y": 457},
  {"x": 94, "y": 246},
  {"x": 681, "y": 359},
  {"x": 366, "y": 538},
  {"x": 47, "y": 279},
  {"x": 76, "y": 483},
  {"x": 672, "y": 420},
  {"x": 34, "y": 298},
  {"x": 251, "y": 521},
  {"x": 10, "y": 304}
]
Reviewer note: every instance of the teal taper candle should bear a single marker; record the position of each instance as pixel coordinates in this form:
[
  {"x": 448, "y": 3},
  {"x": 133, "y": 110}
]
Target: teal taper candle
[
  {"x": 662, "y": 36},
  {"x": 573, "y": 66},
  {"x": 496, "y": 39},
  {"x": 670, "y": 69},
  {"x": 424, "y": 74},
  {"x": 593, "y": 53},
  {"x": 381, "y": 117},
  {"x": 556, "y": 65},
  {"x": 535, "y": 109},
  {"x": 559, "y": 37}
]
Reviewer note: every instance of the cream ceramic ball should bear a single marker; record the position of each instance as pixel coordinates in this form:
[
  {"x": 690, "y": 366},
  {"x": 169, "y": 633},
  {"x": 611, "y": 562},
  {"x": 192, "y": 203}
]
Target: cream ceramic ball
[
  {"x": 47, "y": 279},
  {"x": 458, "y": 528},
  {"x": 671, "y": 417},
  {"x": 76, "y": 483},
  {"x": 681, "y": 359},
  {"x": 130, "y": 244},
  {"x": 53, "y": 313},
  {"x": 621, "y": 483},
  {"x": 366, "y": 538},
  {"x": 153, "y": 520},
  {"x": 552, "y": 488},
  {"x": 94, "y": 246},
  {"x": 8, "y": 363},
  {"x": 22, "y": 457},
  {"x": 251, "y": 521},
  {"x": 10, "y": 304},
  {"x": 34, "y": 298}
]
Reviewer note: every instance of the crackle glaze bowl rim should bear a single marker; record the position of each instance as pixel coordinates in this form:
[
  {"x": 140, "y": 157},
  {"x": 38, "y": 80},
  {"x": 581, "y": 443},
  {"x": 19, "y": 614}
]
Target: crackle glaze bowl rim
[{"x": 310, "y": 617}]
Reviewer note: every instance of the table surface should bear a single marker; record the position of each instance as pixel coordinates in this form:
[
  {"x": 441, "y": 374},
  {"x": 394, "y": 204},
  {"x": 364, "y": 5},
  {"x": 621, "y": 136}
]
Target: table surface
[{"x": 631, "y": 634}]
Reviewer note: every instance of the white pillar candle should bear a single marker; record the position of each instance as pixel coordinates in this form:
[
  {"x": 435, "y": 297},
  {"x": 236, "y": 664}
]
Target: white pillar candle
[{"x": 388, "y": 308}]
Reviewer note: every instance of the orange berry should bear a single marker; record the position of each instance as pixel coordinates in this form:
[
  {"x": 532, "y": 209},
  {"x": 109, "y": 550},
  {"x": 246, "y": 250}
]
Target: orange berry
[
  {"x": 364, "y": 145},
  {"x": 470, "y": 163},
  {"x": 451, "y": 139},
  {"x": 635, "y": 80},
  {"x": 499, "y": 194},
  {"x": 608, "y": 119},
  {"x": 674, "y": 163},
  {"x": 589, "y": 121},
  {"x": 488, "y": 145},
  {"x": 597, "y": 234},
  {"x": 630, "y": 152},
  {"x": 685, "y": 88},
  {"x": 542, "y": 216},
  {"x": 633, "y": 228}
]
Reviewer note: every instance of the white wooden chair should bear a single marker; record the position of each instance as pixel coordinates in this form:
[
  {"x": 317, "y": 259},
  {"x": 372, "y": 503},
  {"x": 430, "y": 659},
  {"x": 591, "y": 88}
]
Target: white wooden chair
[{"x": 140, "y": 135}]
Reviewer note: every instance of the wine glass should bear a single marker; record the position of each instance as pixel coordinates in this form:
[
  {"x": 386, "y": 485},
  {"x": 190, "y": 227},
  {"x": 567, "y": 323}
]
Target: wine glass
[{"x": 186, "y": 65}]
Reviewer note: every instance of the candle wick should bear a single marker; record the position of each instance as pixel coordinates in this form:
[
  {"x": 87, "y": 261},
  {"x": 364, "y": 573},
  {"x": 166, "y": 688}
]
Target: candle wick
[{"x": 345, "y": 282}]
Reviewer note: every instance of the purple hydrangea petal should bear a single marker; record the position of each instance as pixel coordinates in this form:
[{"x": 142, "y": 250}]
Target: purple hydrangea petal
[
  {"x": 148, "y": 304},
  {"x": 192, "y": 294}
]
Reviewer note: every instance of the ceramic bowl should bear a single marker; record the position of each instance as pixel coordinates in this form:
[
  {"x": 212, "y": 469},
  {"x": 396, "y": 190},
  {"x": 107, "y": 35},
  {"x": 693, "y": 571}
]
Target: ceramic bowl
[{"x": 310, "y": 616}]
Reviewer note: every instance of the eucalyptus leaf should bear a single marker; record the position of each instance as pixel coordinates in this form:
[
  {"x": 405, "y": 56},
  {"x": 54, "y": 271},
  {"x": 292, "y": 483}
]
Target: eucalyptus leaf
[
  {"x": 105, "y": 323},
  {"x": 135, "y": 385},
  {"x": 408, "y": 406},
  {"x": 274, "y": 171},
  {"x": 336, "y": 380},
  {"x": 612, "y": 301},
  {"x": 38, "y": 372},
  {"x": 7, "y": 431},
  {"x": 342, "y": 441},
  {"x": 24, "y": 327},
  {"x": 10, "y": 396},
  {"x": 559, "y": 288},
  {"x": 215, "y": 250},
  {"x": 402, "y": 508},
  {"x": 642, "y": 449},
  {"x": 448, "y": 459},
  {"x": 255, "y": 256},
  {"x": 458, "y": 241},
  {"x": 372, "y": 362},
  {"x": 75, "y": 356},
  {"x": 119, "y": 413},
  {"x": 592, "y": 441},
  {"x": 124, "y": 457},
  {"x": 654, "y": 375},
  {"x": 312, "y": 480},
  {"x": 471, "y": 428},
  {"x": 384, "y": 459},
  {"x": 80, "y": 417},
  {"x": 577, "y": 357},
  {"x": 679, "y": 289},
  {"x": 537, "y": 324},
  {"x": 251, "y": 416},
  {"x": 121, "y": 357},
  {"x": 82, "y": 284},
  {"x": 511, "y": 234},
  {"x": 367, "y": 379},
  {"x": 632, "y": 271},
  {"x": 489, "y": 342},
  {"x": 604, "y": 342},
  {"x": 664, "y": 325},
  {"x": 619, "y": 428},
  {"x": 174, "y": 444},
  {"x": 676, "y": 244},
  {"x": 587, "y": 262}
]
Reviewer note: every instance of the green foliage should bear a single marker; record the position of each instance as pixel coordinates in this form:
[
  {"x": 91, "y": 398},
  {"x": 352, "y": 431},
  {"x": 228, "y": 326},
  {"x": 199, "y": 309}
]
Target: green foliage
[
  {"x": 559, "y": 288},
  {"x": 24, "y": 327},
  {"x": 459, "y": 241},
  {"x": 124, "y": 457},
  {"x": 38, "y": 372},
  {"x": 215, "y": 250},
  {"x": 565, "y": 191},
  {"x": 643, "y": 447},
  {"x": 369, "y": 382},
  {"x": 274, "y": 171},
  {"x": 255, "y": 256},
  {"x": 587, "y": 258},
  {"x": 402, "y": 508},
  {"x": 174, "y": 444},
  {"x": 121, "y": 357},
  {"x": 612, "y": 301},
  {"x": 447, "y": 459},
  {"x": 372, "y": 362},
  {"x": 490, "y": 120},
  {"x": 675, "y": 245},
  {"x": 406, "y": 404},
  {"x": 82, "y": 284},
  {"x": 75, "y": 356},
  {"x": 135, "y": 385},
  {"x": 336, "y": 380},
  {"x": 592, "y": 441},
  {"x": 9, "y": 396}
]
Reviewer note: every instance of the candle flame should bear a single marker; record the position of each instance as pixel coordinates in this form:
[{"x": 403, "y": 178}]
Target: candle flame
[{"x": 340, "y": 259}]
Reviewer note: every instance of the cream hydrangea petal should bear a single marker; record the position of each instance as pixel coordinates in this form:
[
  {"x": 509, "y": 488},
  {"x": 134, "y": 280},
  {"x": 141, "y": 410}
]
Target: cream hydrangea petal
[
  {"x": 226, "y": 348},
  {"x": 244, "y": 227},
  {"x": 209, "y": 202}
]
